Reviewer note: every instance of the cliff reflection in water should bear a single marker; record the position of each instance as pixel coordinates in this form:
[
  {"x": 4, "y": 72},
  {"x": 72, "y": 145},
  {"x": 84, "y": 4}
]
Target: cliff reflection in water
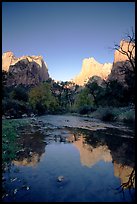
[
  {"x": 97, "y": 145},
  {"x": 90, "y": 155},
  {"x": 93, "y": 146}
]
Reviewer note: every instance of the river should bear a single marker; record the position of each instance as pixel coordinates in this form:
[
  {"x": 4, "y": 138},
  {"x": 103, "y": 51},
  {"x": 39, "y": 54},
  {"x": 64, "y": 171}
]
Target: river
[{"x": 71, "y": 159}]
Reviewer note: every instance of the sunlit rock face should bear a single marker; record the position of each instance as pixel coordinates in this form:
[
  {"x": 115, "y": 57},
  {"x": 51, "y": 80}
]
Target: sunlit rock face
[
  {"x": 89, "y": 155},
  {"x": 118, "y": 56},
  {"x": 90, "y": 67},
  {"x": 123, "y": 172},
  {"x": 7, "y": 59},
  {"x": 26, "y": 70},
  {"x": 121, "y": 62}
]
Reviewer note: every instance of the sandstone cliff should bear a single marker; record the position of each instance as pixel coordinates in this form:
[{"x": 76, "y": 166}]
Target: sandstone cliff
[
  {"x": 7, "y": 59},
  {"x": 90, "y": 67},
  {"x": 26, "y": 70},
  {"x": 121, "y": 62},
  {"x": 125, "y": 46}
]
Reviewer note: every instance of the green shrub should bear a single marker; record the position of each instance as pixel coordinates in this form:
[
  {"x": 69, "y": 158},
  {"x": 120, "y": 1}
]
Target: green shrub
[
  {"x": 127, "y": 116},
  {"x": 19, "y": 93},
  {"x": 122, "y": 114},
  {"x": 83, "y": 102},
  {"x": 84, "y": 109},
  {"x": 107, "y": 114},
  {"x": 42, "y": 100},
  {"x": 15, "y": 108},
  {"x": 9, "y": 138}
]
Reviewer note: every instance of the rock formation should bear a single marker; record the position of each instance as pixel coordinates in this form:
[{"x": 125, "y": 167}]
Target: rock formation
[
  {"x": 7, "y": 59},
  {"x": 107, "y": 71},
  {"x": 118, "y": 56},
  {"x": 26, "y": 70},
  {"x": 90, "y": 155},
  {"x": 90, "y": 67},
  {"x": 121, "y": 62}
]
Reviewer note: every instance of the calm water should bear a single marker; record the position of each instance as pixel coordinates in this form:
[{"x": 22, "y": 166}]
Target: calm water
[{"x": 69, "y": 158}]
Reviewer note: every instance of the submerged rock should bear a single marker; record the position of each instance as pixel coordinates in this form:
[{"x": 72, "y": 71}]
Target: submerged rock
[{"x": 60, "y": 178}]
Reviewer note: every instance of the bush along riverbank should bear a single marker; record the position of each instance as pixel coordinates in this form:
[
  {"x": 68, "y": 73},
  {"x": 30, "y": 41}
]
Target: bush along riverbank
[
  {"x": 9, "y": 136},
  {"x": 112, "y": 114}
]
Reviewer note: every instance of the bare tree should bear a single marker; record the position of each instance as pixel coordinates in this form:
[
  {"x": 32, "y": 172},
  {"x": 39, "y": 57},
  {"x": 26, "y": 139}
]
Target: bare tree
[
  {"x": 130, "y": 184},
  {"x": 126, "y": 69},
  {"x": 129, "y": 52}
]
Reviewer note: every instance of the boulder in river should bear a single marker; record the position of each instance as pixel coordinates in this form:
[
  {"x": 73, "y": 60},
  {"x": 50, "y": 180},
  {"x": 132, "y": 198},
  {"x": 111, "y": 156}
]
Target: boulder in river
[{"x": 60, "y": 178}]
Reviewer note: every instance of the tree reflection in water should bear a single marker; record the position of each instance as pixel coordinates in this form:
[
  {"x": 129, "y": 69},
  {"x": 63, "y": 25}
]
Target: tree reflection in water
[
  {"x": 130, "y": 184},
  {"x": 99, "y": 145},
  {"x": 94, "y": 146},
  {"x": 32, "y": 149}
]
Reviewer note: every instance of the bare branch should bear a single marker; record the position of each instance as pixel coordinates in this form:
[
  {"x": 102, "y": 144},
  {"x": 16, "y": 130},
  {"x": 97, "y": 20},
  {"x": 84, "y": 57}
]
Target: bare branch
[{"x": 129, "y": 52}]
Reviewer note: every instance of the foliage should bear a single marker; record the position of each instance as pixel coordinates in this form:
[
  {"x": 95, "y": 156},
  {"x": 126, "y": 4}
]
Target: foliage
[
  {"x": 119, "y": 114},
  {"x": 84, "y": 101},
  {"x": 127, "y": 116},
  {"x": 105, "y": 114},
  {"x": 9, "y": 136},
  {"x": 14, "y": 99},
  {"x": 130, "y": 80},
  {"x": 14, "y": 107},
  {"x": 19, "y": 93},
  {"x": 112, "y": 93},
  {"x": 96, "y": 90},
  {"x": 115, "y": 94},
  {"x": 85, "y": 109},
  {"x": 42, "y": 100},
  {"x": 65, "y": 93}
]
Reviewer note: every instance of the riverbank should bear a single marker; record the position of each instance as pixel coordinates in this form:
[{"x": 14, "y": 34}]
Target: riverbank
[
  {"x": 112, "y": 114},
  {"x": 49, "y": 147},
  {"x": 10, "y": 129},
  {"x": 100, "y": 119}
]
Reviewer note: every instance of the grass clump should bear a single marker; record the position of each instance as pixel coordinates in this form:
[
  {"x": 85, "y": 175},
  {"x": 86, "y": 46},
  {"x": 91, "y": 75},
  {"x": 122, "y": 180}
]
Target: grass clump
[
  {"x": 127, "y": 116},
  {"x": 9, "y": 138}
]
